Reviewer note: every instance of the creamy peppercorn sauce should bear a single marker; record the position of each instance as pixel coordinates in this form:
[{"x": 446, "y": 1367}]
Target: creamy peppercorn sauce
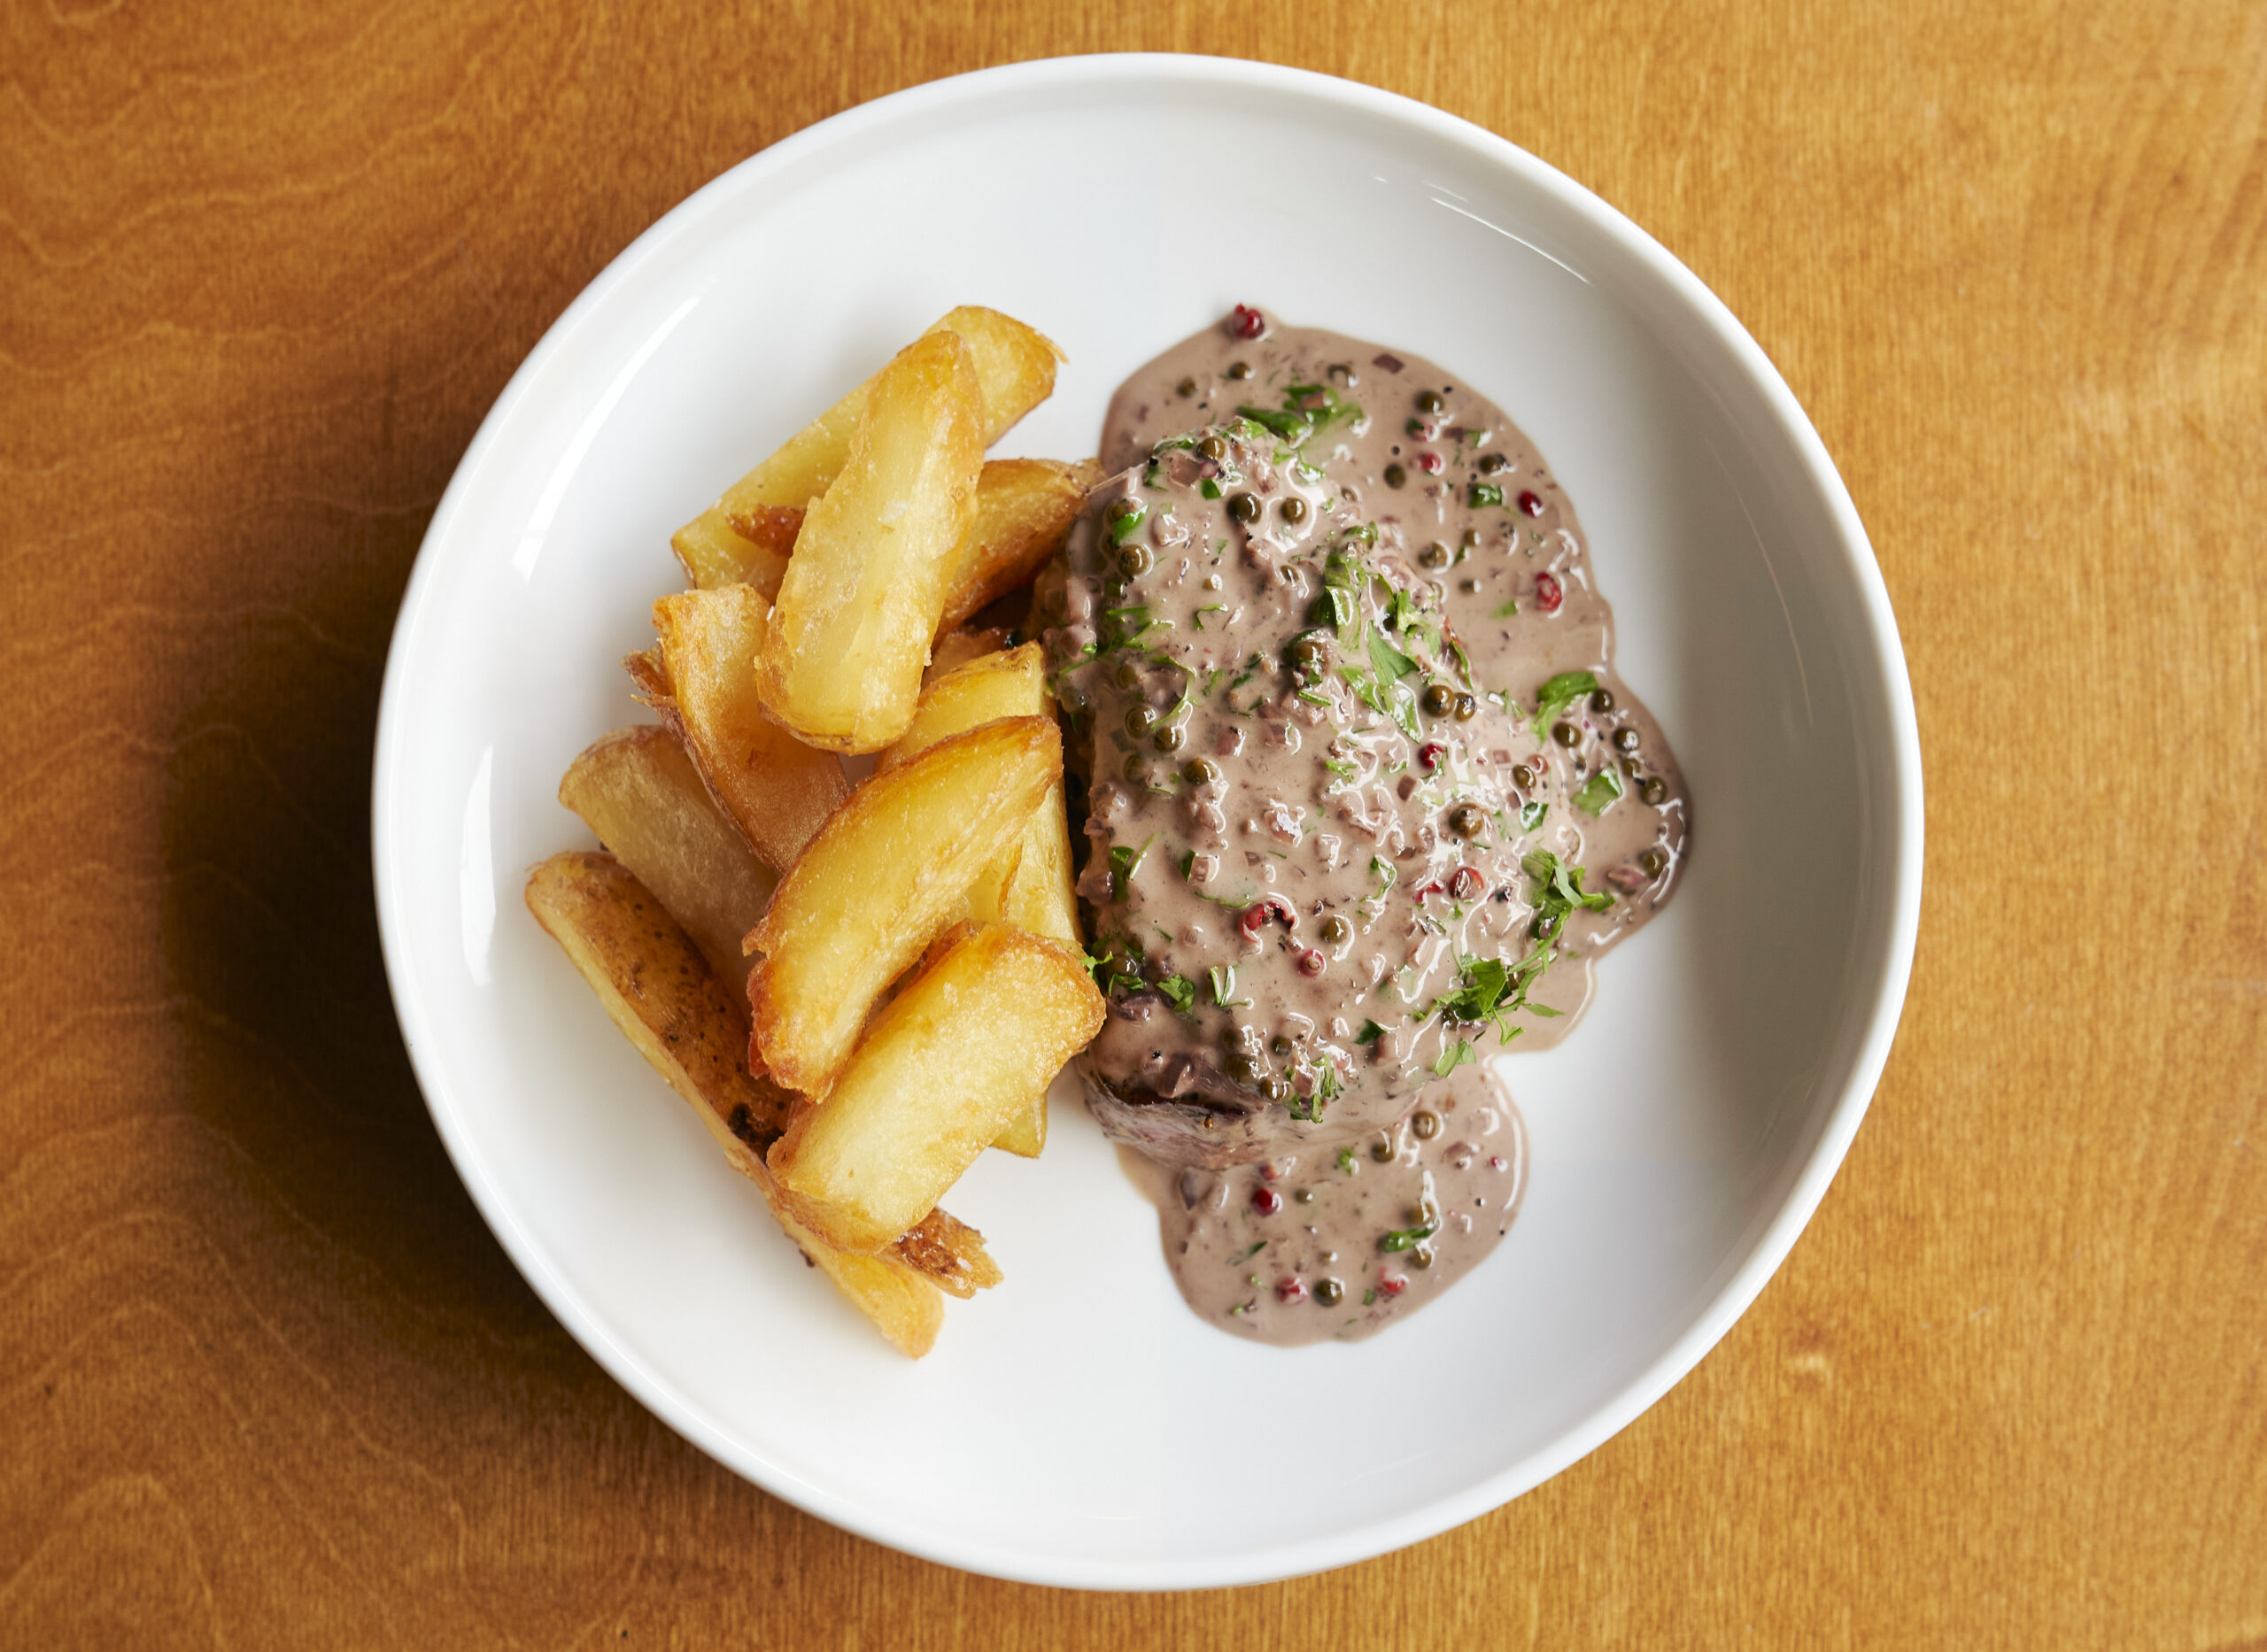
[{"x": 1355, "y": 817}]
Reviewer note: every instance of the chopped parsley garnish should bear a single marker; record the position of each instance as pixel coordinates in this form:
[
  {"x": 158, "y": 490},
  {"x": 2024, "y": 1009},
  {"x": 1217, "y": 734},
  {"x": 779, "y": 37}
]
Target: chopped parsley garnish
[
  {"x": 1180, "y": 991},
  {"x": 1508, "y": 609},
  {"x": 1371, "y": 1033},
  {"x": 1531, "y": 814},
  {"x": 1408, "y": 1238},
  {"x": 1224, "y": 985},
  {"x": 1346, "y": 1160},
  {"x": 1334, "y": 606},
  {"x": 1562, "y": 885},
  {"x": 1453, "y": 1056},
  {"x": 1392, "y": 665},
  {"x": 1600, "y": 793},
  {"x": 1485, "y": 493},
  {"x": 1239, "y": 1260},
  {"x": 1122, "y": 524},
  {"x": 1123, "y": 862},
  {"x": 1127, "y": 625},
  {"x": 1208, "y": 488},
  {"x": 1560, "y": 692}
]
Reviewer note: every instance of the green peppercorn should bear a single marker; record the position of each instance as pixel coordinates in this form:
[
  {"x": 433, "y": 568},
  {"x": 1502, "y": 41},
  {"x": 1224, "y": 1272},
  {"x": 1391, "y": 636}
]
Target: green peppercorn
[
  {"x": 1468, "y": 820},
  {"x": 1545, "y": 925},
  {"x": 1383, "y": 1151},
  {"x": 1438, "y": 699},
  {"x": 1625, "y": 739},
  {"x": 1471, "y": 539},
  {"x": 1168, "y": 738},
  {"x": 1654, "y": 790},
  {"x": 1327, "y": 1291},
  {"x": 1276, "y": 1089},
  {"x": 1294, "y": 509},
  {"x": 1336, "y": 932},
  {"x": 1140, "y": 720},
  {"x": 1279, "y": 1045},
  {"x": 1421, "y": 1254},
  {"x": 1434, "y": 555},
  {"x": 1187, "y": 387},
  {"x": 1468, "y": 707},
  {"x": 1304, "y": 1195},
  {"x": 1134, "y": 561},
  {"x": 1242, "y": 1067},
  {"x": 1243, "y": 507},
  {"x": 1239, "y": 369},
  {"x": 1122, "y": 509},
  {"x": 1522, "y": 777},
  {"x": 1213, "y": 447},
  {"x": 1653, "y": 862},
  {"x": 1426, "y": 1123},
  {"x": 1310, "y": 655},
  {"x": 1602, "y": 702},
  {"x": 1396, "y": 476},
  {"x": 1490, "y": 463},
  {"x": 1200, "y": 771},
  {"x": 1429, "y": 401},
  {"x": 1566, "y": 734},
  {"x": 1137, "y": 768}
]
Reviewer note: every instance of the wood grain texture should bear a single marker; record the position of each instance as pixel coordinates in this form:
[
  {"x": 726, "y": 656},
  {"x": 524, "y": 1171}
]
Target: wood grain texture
[{"x": 266, "y": 1381}]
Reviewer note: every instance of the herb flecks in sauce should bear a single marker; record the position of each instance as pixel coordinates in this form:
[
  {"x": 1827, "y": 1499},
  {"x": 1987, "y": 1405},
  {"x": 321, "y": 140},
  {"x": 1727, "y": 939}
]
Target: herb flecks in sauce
[{"x": 1369, "y": 854}]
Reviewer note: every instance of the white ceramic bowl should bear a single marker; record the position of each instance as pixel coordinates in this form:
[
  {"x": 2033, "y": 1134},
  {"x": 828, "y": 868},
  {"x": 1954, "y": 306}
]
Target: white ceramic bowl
[{"x": 1078, "y": 1425}]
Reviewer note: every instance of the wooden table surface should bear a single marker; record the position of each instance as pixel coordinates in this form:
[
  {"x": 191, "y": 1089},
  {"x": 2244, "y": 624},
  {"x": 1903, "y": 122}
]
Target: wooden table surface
[{"x": 266, "y": 1380}]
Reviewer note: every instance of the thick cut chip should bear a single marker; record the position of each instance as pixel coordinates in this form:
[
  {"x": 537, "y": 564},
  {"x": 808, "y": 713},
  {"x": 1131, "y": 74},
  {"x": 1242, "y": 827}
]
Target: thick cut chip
[
  {"x": 748, "y": 533},
  {"x": 955, "y": 649},
  {"x": 1037, "y": 893},
  {"x": 841, "y": 658},
  {"x": 887, "y": 874},
  {"x": 657, "y": 989},
  {"x": 778, "y": 791},
  {"x": 637, "y": 790},
  {"x": 1023, "y": 507},
  {"x": 955, "y": 1057}
]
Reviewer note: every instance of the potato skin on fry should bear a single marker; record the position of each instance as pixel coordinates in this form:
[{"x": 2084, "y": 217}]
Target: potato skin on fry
[
  {"x": 889, "y": 874},
  {"x": 660, "y": 993},
  {"x": 745, "y": 537},
  {"x": 775, "y": 788},
  {"x": 841, "y": 658},
  {"x": 950, "y": 1061}
]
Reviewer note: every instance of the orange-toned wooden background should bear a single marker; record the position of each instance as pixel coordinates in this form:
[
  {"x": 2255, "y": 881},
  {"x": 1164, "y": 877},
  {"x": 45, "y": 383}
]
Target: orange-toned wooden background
[{"x": 265, "y": 1381}]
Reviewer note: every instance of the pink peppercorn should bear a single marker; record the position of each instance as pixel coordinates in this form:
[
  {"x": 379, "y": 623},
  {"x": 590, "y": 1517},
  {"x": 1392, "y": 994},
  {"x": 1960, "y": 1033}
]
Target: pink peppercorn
[
  {"x": 1266, "y": 1201},
  {"x": 1292, "y": 1289},
  {"x": 1548, "y": 593}
]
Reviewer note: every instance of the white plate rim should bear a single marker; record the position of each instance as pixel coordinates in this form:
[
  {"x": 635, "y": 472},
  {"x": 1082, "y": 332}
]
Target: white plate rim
[{"x": 1901, "y": 824}]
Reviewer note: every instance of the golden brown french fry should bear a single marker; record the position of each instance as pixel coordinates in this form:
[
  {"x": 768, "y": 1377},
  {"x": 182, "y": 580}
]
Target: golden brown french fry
[
  {"x": 778, "y": 791},
  {"x": 955, "y": 649},
  {"x": 887, "y": 875},
  {"x": 1086, "y": 472},
  {"x": 942, "y": 1070},
  {"x": 1038, "y": 893},
  {"x": 748, "y": 533},
  {"x": 1023, "y": 507},
  {"x": 637, "y": 790},
  {"x": 841, "y": 658},
  {"x": 661, "y": 993}
]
